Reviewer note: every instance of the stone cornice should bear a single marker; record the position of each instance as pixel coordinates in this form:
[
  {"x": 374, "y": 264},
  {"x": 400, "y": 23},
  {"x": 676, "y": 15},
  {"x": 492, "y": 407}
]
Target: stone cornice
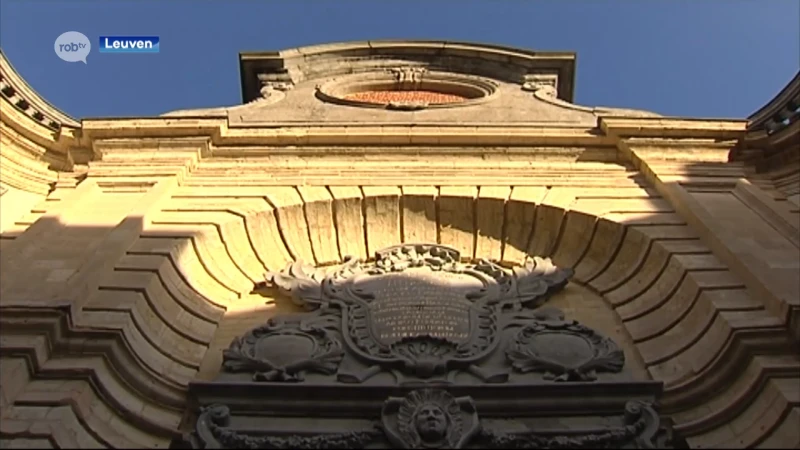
[
  {"x": 673, "y": 127},
  {"x": 599, "y": 111},
  {"x": 74, "y": 143},
  {"x": 657, "y": 132},
  {"x": 14, "y": 88},
  {"x": 790, "y": 93},
  {"x": 54, "y": 147},
  {"x": 56, "y": 140},
  {"x": 773, "y": 133},
  {"x": 61, "y": 151},
  {"x": 39, "y": 139},
  {"x": 310, "y": 134}
]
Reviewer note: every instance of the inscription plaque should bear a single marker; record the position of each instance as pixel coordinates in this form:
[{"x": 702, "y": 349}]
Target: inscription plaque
[{"x": 420, "y": 303}]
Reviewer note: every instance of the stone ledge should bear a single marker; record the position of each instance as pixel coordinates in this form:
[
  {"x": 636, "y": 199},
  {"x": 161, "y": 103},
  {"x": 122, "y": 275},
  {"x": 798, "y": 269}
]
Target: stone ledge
[{"x": 662, "y": 127}]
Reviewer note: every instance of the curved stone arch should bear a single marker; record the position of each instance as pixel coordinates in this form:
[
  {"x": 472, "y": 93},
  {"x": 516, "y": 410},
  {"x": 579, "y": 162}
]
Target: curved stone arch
[
  {"x": 197, "y": 258},
  {"x": 684, "y": 311}
]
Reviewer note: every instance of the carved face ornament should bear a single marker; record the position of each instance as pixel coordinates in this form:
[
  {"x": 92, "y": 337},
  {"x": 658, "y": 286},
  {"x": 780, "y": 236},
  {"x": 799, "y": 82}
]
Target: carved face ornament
[
  {"x": 429, "y": 419},
  {"x": 431, "y": 422}
]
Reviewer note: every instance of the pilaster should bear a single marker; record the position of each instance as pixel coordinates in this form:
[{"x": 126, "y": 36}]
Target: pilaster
[{"x": 749, "y": 230}]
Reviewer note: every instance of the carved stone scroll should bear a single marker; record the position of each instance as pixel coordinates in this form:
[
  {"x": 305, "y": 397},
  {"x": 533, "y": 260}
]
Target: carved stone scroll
[
  {"x": 541, "y": 85},
  {"x": 273, "y": 88},
  {"x": 641, "y": 426}
]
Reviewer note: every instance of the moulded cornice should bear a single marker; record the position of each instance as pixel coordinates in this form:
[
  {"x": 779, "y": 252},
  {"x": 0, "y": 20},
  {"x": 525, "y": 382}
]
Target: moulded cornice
[
  {"x": 408, "y": 134},
  {"x": 599, "y": 111},
  {"x": 55, "y": 147},
  {"x": 27, "y": 100},
  {"x": 56, "y": 140},
  {"x": 24, "y": 163},
  {"x": 673, "y": 127},
  {"x": 790, "y": 93}
]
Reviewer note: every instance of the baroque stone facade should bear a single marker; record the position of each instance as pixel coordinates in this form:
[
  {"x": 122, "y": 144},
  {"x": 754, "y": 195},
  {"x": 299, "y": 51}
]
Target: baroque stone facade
[{"x": 135, "y": 310}]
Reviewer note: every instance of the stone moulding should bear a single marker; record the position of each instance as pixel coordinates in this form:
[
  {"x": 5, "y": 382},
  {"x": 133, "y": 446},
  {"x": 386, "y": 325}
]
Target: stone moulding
[
  {"x": 534, "y": 400},
  {"x": 475, "y": 90},
  {"x": 220, "y": 134},
  {"x": 432, "y": 418}
]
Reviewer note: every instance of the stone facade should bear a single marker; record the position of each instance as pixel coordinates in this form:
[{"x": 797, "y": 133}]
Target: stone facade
[{"x": 131, "y": 247}]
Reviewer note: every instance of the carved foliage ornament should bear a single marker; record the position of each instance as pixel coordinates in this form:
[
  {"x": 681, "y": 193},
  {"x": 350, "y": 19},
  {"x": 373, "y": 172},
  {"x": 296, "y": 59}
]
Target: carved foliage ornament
[
  {"x": 212, "y": 430},
  {"x": 268, "y": 89},
  {"x": 432, "y": 418}
]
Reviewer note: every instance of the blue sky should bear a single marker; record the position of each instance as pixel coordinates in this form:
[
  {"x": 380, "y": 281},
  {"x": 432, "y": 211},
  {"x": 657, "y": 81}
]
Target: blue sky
[{"x": 712, "y": 58}]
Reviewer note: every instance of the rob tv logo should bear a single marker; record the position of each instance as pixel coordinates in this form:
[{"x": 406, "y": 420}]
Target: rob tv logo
[
  {"x": 73, "y": 46},
  {"x": 129, "y": 44}
]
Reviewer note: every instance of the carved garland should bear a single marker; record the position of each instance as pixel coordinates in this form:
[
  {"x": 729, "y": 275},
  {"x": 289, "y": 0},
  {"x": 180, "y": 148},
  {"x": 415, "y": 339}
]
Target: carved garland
[{"x": 214, "y": 420}]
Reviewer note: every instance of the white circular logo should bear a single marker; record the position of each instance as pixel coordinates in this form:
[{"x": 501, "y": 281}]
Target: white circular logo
[{"x": 73, "y": 46}]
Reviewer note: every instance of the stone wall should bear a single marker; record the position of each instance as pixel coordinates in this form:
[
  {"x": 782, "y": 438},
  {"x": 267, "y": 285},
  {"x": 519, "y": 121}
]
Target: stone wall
[{"x": 132, "y": 259}]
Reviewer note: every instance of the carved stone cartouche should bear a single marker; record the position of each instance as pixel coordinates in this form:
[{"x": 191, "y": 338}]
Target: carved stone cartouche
[
  {"x": 279, "y": 351},
  {"x": 419, "y": 311},
  {"x": 564, "y": 349}
]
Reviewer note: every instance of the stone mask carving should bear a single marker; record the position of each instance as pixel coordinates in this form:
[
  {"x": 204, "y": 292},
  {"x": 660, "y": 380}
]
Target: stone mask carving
[{"x": 429, "y": 418}]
